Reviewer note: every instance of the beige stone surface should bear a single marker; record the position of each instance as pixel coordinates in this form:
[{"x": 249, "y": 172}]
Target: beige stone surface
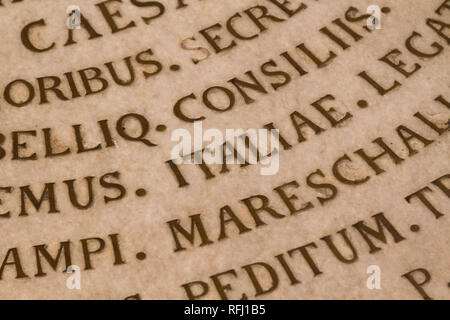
[{"x": 141, "y": 222}]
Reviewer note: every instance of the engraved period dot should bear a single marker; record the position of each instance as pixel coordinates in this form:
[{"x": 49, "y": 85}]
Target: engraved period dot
[
  {"x": 414, "y": 228},
  {"x": 385, "y": 9},
  {"x": 174, "y": 67},
  {"x": 141, "y": 256},
  {"x": 141, "y": 192},
  {"x": 362, "y": 104},
  {"x": 161, "y": 127}
]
